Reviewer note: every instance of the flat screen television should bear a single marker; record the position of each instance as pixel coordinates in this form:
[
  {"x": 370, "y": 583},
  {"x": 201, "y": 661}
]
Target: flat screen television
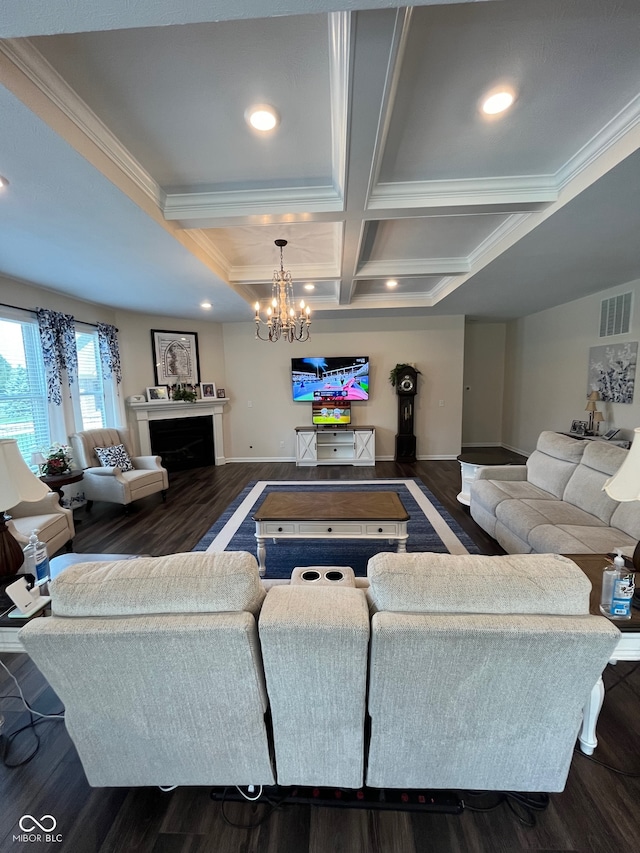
[
  {"x": 344, "y": 378},
  {"x": 330, "y": 413}
]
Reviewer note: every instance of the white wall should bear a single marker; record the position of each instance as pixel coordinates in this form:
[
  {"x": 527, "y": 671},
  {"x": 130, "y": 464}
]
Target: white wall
[
  {"x": 546, "y": 371},
  {"x": 484, "y": 353},
  {"x": 259, "y": 373}
]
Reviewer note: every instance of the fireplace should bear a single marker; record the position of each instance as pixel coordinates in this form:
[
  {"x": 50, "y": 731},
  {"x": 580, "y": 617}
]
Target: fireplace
[
  {"x": 183, "y": 443},
  {"x": 142, "y": 416}
]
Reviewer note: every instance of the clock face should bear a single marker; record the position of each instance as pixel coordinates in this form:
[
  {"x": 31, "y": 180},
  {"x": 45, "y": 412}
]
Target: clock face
[{"x": 406, "y": 384}]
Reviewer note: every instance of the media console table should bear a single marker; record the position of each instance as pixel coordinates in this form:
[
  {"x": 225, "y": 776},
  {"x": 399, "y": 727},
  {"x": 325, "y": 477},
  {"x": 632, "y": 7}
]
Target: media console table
[
  {"x": 330, "y": 515},
  {"x": 335, "y": 445}
]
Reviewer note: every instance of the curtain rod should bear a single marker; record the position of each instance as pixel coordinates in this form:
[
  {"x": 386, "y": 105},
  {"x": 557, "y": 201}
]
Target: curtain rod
[{"x": 33, "y": 311}]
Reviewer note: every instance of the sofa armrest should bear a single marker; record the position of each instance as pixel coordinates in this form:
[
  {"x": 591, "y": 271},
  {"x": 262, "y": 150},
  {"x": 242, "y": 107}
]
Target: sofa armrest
[
  {"x": 502, "y": 472},
  {"x": 153, "y": 463},
  {"x": 104, "y": 471},
  {"x": 48, "y": 504}
]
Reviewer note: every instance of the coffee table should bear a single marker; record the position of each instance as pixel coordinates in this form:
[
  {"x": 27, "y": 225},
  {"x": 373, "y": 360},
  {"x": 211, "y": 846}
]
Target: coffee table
[
  {"x": 628, "y": 647},
  {"x": 330, "y": 515}
]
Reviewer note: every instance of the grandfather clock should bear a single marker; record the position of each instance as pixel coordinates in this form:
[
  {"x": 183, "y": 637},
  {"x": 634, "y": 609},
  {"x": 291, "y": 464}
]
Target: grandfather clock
[{"x": 406, "y": 389}]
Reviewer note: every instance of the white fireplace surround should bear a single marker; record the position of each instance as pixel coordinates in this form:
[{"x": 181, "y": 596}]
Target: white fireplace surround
[{"x": 139, "y": 415}]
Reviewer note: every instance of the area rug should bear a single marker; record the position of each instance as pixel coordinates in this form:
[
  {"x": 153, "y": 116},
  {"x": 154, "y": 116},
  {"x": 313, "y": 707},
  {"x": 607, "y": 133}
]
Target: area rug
[{"x": 430, "y": 528}]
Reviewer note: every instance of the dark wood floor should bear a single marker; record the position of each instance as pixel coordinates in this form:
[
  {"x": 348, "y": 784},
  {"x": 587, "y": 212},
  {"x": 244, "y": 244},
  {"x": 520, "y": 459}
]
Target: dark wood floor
[{"x": 598, "y": 811}]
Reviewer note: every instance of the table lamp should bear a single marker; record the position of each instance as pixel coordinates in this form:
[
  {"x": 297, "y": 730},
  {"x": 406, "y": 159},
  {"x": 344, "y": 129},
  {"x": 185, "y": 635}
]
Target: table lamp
[
  {"x": 591, "y": 408},
  {"x": 37, "y": 458},
  {"x": 598, "y": 417},
  {"x": 17, "y": 483},
  {"x": 625, "y": 484}
]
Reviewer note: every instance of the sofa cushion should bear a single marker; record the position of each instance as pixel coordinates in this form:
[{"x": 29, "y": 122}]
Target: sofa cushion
[
  {"x": 522, "y": 516},
  {"x": 584, "y": 489},
  {"x": 626, "y": 517},
  {"x": 578, "y": 539},
  {"x": 554, "y": 460},
  {"x": 178, "y": 583},
  {"x": 530, "y": 583},
  {"x": 490, "y": 493}
]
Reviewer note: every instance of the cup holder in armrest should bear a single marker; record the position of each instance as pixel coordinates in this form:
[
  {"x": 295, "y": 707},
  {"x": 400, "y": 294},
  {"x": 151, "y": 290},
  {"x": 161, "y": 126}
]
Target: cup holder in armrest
[{"x": 323, "y": 576}]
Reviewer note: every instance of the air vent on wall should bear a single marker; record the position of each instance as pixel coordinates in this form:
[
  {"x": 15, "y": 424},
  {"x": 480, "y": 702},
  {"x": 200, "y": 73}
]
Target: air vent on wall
[{"x": 615, "y": 315}]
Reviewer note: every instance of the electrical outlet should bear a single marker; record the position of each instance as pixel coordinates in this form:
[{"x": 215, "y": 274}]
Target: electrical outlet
[
  {"x": 282, "y": 444},
  {"x": 441, "y": 402},
  {"x": 249, "y": 404}
]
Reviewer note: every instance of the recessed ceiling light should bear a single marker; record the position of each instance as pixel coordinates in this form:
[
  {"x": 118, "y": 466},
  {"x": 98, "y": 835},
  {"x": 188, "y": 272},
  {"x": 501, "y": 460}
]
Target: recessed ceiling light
[
  {"x": 3, "y": 182},
  {"x": 309, "y": 287},
  {"x": 205, "y": 305},
  {"x": 498, "y": 102},
  {"x": 262, "y": 117},
  {"x": 392, "y": 283}
]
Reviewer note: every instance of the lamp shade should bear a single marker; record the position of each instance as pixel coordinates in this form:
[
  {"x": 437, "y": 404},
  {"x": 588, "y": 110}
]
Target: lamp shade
[
  {"x": 598, "y": 416},
  {"x": 625, "y": 483},
  {"x": 591, "y": 406},
  {"x": 594, "y": 395},
  {"x": 17, "y": 482}
]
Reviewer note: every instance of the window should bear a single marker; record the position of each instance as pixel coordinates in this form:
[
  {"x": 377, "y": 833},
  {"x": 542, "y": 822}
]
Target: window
[
  {"x": 23, "y": 396},
  {"x": 90, "y": 409}
]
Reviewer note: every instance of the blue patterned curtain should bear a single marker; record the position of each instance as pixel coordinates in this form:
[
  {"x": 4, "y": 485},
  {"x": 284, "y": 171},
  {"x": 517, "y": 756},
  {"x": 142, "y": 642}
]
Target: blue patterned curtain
[
  {"x": 109, "y": 351},
  {"x": 58, "y": 338}
]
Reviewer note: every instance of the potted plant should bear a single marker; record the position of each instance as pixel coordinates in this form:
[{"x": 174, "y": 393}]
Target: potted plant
[
  {"x": 58, "y": 460},
  {"x": 395, "y": 372}
]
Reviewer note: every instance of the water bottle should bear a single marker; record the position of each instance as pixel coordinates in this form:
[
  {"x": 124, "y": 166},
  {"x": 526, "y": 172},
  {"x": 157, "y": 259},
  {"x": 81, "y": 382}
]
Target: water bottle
[{"x": 29, "y": 551}]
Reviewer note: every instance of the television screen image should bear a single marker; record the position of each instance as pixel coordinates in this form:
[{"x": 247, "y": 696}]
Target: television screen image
[
  {"x": 335, "y": 377},
  {"x": 330, "y": 413}
]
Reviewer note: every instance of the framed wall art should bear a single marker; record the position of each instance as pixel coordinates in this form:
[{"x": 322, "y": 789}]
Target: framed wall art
[
  {"x": 612, "y": 371},
  {"x": 221, "y": 393},
  {"x": 175, "y": 357}
]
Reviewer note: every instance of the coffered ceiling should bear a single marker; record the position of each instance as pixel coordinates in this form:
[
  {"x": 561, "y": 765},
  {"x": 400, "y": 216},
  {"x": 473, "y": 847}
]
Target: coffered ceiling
[{"x": 135, "y": 181}]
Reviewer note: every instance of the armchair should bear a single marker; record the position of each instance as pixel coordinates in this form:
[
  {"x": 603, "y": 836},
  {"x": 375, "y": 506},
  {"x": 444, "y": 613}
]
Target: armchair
[
  {"x": 53, "y": 522},
  {"x": 112, "y": 483}
]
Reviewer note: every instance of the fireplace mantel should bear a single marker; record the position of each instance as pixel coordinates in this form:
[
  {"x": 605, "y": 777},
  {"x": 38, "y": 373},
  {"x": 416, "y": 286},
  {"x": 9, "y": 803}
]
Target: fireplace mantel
[{"x": 139, "y": 415}]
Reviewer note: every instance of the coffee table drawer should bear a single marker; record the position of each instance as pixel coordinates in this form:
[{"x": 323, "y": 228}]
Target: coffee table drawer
[
  {"x": 331, "y": 528},
  {"x": 274, "y": 527},
  {"x": 385, "y": 528}
]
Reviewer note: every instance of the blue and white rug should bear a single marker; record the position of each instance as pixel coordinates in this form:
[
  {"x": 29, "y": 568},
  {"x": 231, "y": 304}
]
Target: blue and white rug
[{"x": 430, "y": 528}]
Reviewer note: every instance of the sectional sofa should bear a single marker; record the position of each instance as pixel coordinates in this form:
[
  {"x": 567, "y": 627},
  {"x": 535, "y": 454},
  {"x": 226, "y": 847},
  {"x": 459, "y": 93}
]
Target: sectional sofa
[
  {"x": 451, "y": 672},
  {"x": 555, "y": 503}
]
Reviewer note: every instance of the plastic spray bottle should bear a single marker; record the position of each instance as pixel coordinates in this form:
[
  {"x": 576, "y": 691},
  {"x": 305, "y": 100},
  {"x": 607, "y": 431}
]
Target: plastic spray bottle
[
  {"x": 617, "y": 589},
  {"x": 36, "y": 559}
]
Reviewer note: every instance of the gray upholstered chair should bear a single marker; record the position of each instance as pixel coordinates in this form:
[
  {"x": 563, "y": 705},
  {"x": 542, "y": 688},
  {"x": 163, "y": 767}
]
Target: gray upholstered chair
[
  {"x": 158, "y": 664},
  {"x": 53, "y": 522},
  {"x": 112, "y": 482},
  {"x": 479, "y": 670}
]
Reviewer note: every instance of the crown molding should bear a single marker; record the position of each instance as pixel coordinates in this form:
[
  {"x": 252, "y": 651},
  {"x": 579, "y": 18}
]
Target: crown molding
[
  {"x": 496, "y": 236},
  {"x": 28, "y": 59},
  {"x": 473, "y": 191},
  {"x": 341, "y": 36},
  {"x": 188, "y": 206},
  {"x": 252, "y": 273},
  {"x": 412, "y": 267},
  {"x": 625, "y": 122}
]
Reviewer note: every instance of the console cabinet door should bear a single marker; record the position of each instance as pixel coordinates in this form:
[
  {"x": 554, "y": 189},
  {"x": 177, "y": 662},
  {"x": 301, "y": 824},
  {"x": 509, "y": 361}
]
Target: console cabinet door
[
  {"x": 365, "y": 446},
  {"x": 306, "y": 450}
]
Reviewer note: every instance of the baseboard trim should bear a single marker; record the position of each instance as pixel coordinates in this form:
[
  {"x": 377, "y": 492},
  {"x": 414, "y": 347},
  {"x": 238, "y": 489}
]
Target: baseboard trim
[
  {"x": 482, "y": 444},
  {"x": 516, "y": 450}
]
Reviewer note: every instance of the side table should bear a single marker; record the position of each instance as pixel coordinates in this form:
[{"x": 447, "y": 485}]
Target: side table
[
  {"x": 470, "y": 461},
  {"x": 57, "y": 481},
  {"x": 628, "y": 647}
]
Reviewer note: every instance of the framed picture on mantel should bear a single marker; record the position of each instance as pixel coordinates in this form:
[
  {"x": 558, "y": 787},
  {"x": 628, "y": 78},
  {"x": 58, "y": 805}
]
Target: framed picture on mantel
[{"x": 175, "y": 357}]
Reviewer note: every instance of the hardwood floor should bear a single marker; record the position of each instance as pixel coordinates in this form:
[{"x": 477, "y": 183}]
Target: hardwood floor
[{"x": 597, "y": 812}]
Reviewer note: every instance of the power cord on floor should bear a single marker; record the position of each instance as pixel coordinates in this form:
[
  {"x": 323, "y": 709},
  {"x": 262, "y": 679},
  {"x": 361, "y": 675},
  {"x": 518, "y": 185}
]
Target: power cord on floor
[
  {"x": 274, "y": 805},
  {"x": 522, "y": 805},
  {"x": 35, "y": 717},
  {"x": 610, "y": 767}
]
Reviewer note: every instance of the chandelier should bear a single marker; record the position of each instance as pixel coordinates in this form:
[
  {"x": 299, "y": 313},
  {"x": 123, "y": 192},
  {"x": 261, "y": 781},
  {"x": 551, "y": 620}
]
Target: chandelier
[{"x": 282, "y": 320}]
